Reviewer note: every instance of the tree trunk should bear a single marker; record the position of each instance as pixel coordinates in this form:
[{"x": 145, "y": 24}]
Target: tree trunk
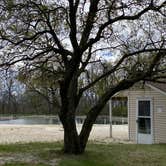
[
  {"x": 71, "y": 138},
  {"x": 67, "y": 117},
  {"x": 69, "y": 103}
]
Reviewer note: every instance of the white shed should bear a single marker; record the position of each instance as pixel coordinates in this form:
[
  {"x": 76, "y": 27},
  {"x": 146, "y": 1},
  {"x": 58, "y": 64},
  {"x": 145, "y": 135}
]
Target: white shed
[{"x": 146, "y": 113}]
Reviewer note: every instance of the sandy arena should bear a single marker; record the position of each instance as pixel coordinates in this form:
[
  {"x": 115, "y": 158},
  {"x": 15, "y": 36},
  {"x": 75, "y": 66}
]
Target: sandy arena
[{"x": 49, "y": 133}]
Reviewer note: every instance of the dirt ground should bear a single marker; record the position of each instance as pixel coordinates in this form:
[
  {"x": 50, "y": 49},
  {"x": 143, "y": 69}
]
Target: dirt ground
[{"x": 49, "y": 133}]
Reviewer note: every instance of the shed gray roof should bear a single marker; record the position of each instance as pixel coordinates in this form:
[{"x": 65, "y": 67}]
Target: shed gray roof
[{"x": 160, "y": 86}]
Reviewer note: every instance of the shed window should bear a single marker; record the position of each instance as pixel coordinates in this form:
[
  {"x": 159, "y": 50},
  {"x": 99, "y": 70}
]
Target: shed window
[{"x": 144, "y": 108}]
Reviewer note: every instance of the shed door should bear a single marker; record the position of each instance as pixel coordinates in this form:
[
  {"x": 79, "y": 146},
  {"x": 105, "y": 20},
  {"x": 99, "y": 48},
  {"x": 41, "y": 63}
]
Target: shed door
[{"x": 144, "y": 122}]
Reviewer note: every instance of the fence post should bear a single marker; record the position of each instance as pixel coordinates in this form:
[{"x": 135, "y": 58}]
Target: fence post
[{"x": 110, "y": 117}]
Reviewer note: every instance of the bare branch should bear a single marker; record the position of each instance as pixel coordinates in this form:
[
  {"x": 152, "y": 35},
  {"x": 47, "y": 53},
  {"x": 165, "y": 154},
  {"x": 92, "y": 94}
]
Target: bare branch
[
  {"x": 114, "y": 68},
  {"x": 120, "y": 18}
]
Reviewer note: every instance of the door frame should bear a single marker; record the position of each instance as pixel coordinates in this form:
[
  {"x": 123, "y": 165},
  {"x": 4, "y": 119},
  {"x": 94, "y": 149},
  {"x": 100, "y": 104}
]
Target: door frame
[{"x": 151, "y": 115}]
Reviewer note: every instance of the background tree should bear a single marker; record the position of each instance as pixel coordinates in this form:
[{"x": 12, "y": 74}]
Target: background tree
[
  {"x": 9, "y": 92},
  {"x": 71, "y": 35},
  {"x": 41, "y": 84}
]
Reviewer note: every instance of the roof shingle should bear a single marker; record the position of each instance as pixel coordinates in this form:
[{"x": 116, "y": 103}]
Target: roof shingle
[{"x": 161, "y": 86}]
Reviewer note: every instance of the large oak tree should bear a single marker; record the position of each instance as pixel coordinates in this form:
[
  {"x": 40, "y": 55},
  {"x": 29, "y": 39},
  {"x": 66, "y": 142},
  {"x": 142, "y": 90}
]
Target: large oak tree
[{"x": 66, "y": 38}]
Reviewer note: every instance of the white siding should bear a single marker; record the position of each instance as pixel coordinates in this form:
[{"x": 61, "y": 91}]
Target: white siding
[{"x": 159, "y": 118}]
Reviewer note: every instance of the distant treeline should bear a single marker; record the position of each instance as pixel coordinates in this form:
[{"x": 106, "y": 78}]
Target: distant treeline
[
  {"x": 18, "y": 97},
  {"x": 32, "y": 103}
]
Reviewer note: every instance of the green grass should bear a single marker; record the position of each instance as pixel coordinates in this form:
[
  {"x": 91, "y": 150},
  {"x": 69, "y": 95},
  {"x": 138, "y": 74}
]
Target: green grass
[
  {"x": 22, "y": 164},
  {"x": 45, "y": 154}
]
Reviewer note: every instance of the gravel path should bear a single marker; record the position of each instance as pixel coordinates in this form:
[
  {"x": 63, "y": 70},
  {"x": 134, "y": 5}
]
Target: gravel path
[{"x": 49, "y": 133}]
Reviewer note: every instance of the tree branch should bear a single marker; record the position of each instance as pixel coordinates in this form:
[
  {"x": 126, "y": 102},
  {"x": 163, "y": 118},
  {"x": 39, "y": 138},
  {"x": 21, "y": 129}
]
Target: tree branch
[
  {"x": 89, "y": 22},
  {"x": 73, "y": 27},
  {"x": 114, "y": 68},
  {"x": 120, "y": 18}
]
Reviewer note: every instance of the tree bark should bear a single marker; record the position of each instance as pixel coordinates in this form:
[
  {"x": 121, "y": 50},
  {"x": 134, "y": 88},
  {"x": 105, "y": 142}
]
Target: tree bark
[
  {"x": 71, "y": 137},
  {"x": 69, "y": 103}
]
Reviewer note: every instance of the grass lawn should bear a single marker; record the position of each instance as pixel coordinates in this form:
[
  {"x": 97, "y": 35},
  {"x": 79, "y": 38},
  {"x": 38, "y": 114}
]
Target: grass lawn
[{"x": 49, "y": 154}]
